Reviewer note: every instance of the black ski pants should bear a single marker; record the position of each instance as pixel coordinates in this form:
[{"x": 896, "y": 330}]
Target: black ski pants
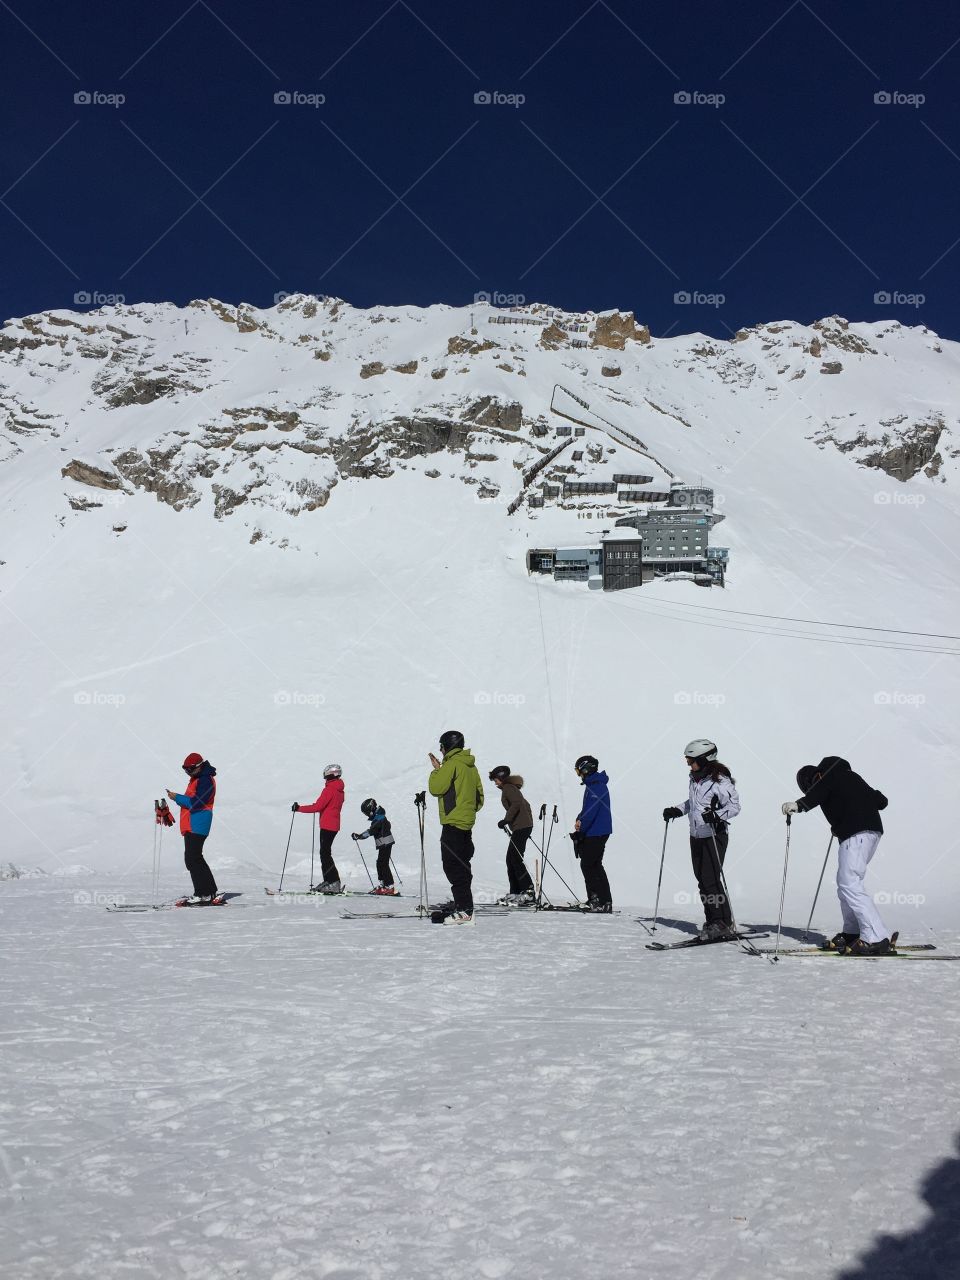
[
  {"x": 590, "y": 852},
  {"x": 328, "y": 868},
  {"x": 517, "y": 872},
  {"x": 708, "y": 856},
  {"x": 384, "y": 874},
  {"x": 204, "y": 884},
  {"x": 456, "y": 850}
]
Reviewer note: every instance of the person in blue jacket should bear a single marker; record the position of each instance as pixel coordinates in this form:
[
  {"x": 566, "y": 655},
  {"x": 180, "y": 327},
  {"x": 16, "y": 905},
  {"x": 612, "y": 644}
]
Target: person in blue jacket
[{"x": 592, "y": 829}]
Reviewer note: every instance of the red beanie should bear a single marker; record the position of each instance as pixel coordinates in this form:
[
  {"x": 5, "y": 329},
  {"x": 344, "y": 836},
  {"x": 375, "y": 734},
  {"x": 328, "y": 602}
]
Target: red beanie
[{"x": 193, "y": 759}]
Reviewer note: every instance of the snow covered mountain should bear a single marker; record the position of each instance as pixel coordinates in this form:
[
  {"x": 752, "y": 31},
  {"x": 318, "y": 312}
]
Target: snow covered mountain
[{"x": 291, "y": 535}]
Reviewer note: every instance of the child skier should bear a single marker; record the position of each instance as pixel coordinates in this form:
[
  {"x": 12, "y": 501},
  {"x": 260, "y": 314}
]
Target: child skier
[
  {"x": 592, "y": 830},
  {"x": 327, "y": 806},
  {"x": 852, "y": 807},
  {"x": 711, "y": 803},
  {"x": 382, "y": 834},
  {"x": 518, "y": 822},
  {"x": 196, "y": 817}
]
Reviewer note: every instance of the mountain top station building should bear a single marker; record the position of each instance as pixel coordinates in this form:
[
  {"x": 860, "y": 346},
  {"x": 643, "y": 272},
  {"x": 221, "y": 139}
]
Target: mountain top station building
[{"x": 660, "y": 541}]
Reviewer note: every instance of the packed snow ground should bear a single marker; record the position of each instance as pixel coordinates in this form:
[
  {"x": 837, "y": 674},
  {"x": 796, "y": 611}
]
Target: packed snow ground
[{"x": 273, "y": 1092}]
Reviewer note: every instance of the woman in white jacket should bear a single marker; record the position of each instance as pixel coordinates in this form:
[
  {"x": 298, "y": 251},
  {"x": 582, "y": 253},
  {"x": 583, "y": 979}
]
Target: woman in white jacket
[{"x": 711, "y": 803}]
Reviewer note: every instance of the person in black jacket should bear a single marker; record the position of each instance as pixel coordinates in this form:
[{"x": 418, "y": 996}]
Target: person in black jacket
[
  {"x": 518, "y": 823},
  {"x": 852, "y": 807},
  {"x": 381, "y": 833}
]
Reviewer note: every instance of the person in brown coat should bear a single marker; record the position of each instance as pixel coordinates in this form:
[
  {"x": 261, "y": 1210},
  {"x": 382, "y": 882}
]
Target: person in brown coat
[{"x": 518, "y": 822}]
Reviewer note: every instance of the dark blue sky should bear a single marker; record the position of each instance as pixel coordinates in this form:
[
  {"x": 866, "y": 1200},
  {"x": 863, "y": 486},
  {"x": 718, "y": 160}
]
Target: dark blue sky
[{"x": 797, "y": 197}]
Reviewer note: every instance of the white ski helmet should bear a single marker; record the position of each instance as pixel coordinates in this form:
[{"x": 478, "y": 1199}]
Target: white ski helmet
[
  {"x": 700, "y": 749},
  {"x": 332, "y": 771}
]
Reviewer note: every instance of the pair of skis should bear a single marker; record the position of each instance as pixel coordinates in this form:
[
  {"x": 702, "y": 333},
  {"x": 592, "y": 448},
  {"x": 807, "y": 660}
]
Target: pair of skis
[{"x": 313, "y": 893}]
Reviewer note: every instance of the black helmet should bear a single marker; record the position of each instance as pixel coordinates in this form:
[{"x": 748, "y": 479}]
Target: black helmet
[
  {"x": 500, "y": 774},
  {"x": 369, "y": 807},
  {"x": 587, "y": 765},
  {"x": 805, "y": 777},
  {"x": 451, "y": 739}
]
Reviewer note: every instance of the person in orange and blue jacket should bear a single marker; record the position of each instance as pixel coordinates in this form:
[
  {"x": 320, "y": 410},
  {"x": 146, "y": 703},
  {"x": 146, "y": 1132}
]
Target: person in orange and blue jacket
[{"x": 196, "y": 815}]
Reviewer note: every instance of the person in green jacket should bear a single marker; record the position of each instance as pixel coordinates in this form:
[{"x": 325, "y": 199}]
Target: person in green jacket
[{"x": 456, "y": 784}]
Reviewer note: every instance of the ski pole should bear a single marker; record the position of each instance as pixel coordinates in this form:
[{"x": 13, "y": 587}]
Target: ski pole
[
  {"x": 420, "y": 800},
  {"x": 543, "y": 841},
  {"x": 313, "y": 842},
  {"x": 551, "y": 865},
  {"x": 395, "y": 871},
  {"x": 663, "y": 854},
  {"x": 153, "y": 867},
  {"x": 817, "y": 894},
  {"x": 363, "y": 860},
  {"x": 286, "y": 851},
  {"x": 783, "y": 891}
]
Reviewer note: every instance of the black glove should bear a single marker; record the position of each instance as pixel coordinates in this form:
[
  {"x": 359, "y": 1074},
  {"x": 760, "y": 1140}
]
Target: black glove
[
  {"x": 295, "y": 807},
  {"x": 712, "y": 818},
  {"x": 502, "y": 825},
  {"x": 355, "y": 835},
  {"x": 672, "y": 812}
]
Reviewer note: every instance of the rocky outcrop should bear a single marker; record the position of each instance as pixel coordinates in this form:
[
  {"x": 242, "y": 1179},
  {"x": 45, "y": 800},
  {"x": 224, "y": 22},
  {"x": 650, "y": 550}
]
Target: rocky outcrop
[
  {"x": 373, "y": 369},
  {"x": 490, "y": 412},
  {"x": 901, "y": 451},
  {"x": 460, "y": 346},
  {"x": 93, "y": 477},
  {"x": 611, "y": 371},
  {"x": 831, "y": 366},
  {"x": 615, "y": 330}
]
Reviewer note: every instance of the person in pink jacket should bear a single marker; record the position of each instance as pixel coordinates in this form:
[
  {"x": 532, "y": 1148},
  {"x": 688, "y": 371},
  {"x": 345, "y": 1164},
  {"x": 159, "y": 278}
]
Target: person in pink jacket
[{"x": 327, "y": 805}]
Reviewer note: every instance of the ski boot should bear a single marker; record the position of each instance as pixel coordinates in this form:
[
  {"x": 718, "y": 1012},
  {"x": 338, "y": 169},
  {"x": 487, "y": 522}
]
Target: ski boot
[
  {"x": 841, "y": 942},
  {"x": 712, "y": 931},
  {"x": 596, "y": 907},
  {"x": 861, "y": 948},
  {"x": 459, "y": 917},
  {"x": 327, "y": 887},
  {"x": 385, "y": 891}
]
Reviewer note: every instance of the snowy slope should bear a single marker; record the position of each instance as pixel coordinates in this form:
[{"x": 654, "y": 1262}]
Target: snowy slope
[{"x": 288, "y": 566}]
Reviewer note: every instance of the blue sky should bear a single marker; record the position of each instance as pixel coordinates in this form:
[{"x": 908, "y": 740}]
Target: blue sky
[{"x": 814, "y": 167}]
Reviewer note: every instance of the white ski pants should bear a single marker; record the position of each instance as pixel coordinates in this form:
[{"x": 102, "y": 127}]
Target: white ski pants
[{"x": 859, "y": 913}]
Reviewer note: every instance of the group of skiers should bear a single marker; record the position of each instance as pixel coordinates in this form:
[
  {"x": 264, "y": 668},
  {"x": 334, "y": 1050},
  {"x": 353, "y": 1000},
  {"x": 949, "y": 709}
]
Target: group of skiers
[{"x": 850, "y": 805}]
